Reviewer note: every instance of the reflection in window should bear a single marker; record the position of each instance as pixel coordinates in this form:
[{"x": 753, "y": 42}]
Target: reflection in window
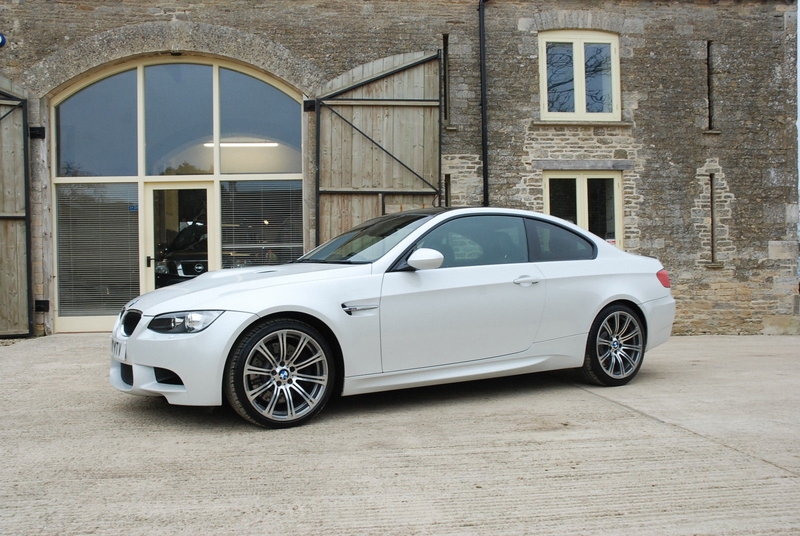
[
  {"x": 262, "y": 222},
  {"x": 97, "y": 135},
  {"x": 260, "y": 132},
  {"x": 579, "y": 73},
  {"x": 560, "y": 78},
  {"x": 369, "y": 241},
  {"x": 96, "y": 129},
  {"x": 98, "y": 247},
  {"x": 549, "y": 243},
  {"x": 597, "y": 66},
  {"x": 479, "y": 241},
  {"x": 178, "y": 119}
]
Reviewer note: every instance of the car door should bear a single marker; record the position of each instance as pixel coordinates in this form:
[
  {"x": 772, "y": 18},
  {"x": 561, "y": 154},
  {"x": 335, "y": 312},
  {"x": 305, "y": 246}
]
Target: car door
[
  {"x": 576, "y": 280},
  {"x": 485, "y": 300}
]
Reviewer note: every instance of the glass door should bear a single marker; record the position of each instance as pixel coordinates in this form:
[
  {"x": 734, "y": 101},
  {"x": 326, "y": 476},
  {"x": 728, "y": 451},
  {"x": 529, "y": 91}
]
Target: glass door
[{"x": 181, "y": 233}]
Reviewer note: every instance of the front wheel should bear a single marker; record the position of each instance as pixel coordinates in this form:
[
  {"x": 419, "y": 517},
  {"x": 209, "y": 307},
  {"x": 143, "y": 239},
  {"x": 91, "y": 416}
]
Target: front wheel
[
  {"x": 280, "y": 374},
  {"x": 615, "y": 347}
]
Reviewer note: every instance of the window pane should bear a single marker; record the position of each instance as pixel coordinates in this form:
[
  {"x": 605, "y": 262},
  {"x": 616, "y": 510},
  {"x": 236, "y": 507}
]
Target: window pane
[
  {"x": 597, "y": 62},
  {"x": 549, "y": 243},
  {"x": 479, "y": 240},
  {"x": 260, "y": 126},
  {"x": 98, "y": 247},
  {"x": 564, "y": 199},
  {"x": 262, "y": 222},
  {"x": 368, "y": 241},
  {"x": 560, "y": 78},
  {"x": 601, "y": 208},
  {"x": 178, "y": 118},
  {"x": 96, "y": 129},
  {"x": 180, "y": 233}
]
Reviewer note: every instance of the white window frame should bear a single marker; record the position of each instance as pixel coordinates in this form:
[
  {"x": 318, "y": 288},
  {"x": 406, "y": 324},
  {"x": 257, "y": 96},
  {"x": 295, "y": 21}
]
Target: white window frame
[
  {"x": 105, "y": 323},
  {"x": 578, "y": 38},
  {"x": 582, "y": 193}
]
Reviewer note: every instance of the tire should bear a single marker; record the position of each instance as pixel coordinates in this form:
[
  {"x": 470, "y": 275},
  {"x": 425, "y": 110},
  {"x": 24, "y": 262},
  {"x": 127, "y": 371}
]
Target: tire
[
  {"x": 615, "y": 347},
  {"x": 280, "y": 374}
]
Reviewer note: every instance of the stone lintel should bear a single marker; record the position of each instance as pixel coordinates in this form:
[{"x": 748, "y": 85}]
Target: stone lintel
[{"x": 580, "y": 165}]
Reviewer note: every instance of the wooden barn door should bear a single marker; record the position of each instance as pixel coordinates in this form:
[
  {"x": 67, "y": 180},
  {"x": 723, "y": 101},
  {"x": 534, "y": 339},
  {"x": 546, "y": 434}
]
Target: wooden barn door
[
  {"x": 378, "y": 131},
  {"x": 15, "y": 311}
]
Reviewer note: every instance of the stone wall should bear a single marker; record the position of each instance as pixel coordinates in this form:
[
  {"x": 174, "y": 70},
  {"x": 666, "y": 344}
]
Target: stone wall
[{"x": 664, "y": 147}]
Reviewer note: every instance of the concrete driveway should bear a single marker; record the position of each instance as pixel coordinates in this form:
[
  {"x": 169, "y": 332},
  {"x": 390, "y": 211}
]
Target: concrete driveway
[{"x": 706, "y": 440}]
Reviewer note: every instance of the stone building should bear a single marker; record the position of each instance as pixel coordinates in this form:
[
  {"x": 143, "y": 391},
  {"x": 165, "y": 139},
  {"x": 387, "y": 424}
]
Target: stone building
[{"x": 250, "y": 131}]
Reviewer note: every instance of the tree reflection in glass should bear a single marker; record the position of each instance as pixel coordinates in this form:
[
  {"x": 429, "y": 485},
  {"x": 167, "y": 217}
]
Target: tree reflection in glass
[
  {"x": 597, "y": 65},
  {"x": 560, "y": 78}
]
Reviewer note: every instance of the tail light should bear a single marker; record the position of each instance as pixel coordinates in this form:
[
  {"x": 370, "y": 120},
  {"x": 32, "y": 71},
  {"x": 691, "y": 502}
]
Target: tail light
[{"x": 663, "y": 278}]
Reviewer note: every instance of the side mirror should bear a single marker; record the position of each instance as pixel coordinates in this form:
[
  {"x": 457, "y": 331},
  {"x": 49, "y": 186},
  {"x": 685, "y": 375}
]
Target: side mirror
[{"x": 425, "y": 259}]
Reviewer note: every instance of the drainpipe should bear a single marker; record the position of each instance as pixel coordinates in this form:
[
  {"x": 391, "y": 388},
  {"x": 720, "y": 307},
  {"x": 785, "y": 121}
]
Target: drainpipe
[{"x": 484, "y": 120}]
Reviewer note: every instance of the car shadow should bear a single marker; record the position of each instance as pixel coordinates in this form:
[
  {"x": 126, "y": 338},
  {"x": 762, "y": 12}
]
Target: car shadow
[
  {"x": 136, "y": 410},
  {"x": 460, "y": 392},
  {"x": 146, "y": 410}
]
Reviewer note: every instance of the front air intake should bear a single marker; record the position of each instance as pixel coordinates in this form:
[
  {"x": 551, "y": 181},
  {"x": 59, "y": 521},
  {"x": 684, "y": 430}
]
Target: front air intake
[
  {"x": 126, "y": 374},
  {"x": 167, "y": 376}
]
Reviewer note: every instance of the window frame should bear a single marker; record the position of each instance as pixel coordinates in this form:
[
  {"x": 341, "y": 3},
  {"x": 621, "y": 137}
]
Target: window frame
[
  {"x": 582, "y": 196},
  {"x": 142, "y": 179},
  {"x": 578, "y": 38}
]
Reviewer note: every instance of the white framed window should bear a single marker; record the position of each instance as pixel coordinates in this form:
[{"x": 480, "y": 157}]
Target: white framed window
[
  {"x": 148, "y": 150},
  {"x": 579, "y": 76},
  {"x": 592, "y": 200}
]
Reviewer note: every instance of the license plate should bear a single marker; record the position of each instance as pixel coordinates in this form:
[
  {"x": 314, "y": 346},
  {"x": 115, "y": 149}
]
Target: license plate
[{"x": 118, "y": 350}]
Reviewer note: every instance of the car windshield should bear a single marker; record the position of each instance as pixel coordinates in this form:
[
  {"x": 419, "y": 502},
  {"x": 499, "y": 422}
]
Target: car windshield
[{"x": 369, "y": 241}]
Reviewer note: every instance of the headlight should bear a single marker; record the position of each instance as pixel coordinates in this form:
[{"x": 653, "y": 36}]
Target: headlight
[
  {"x": 183, "y": 322},
  {"x": 162, "y": 268}
]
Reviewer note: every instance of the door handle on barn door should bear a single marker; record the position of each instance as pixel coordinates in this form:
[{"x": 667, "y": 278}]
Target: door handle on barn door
[{"x": 526, "y": 280}]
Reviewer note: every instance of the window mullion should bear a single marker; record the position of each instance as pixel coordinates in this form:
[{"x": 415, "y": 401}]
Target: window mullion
[
  {"x": 216, "y": 120},
  {"x": 580, "y": 77},
  {"x": 582, "y": 191},
  {"x": 140, "y": 122}
]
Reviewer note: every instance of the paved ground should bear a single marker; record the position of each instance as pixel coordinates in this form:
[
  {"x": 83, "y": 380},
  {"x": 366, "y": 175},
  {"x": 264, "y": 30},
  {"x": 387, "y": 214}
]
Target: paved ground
[{"x": 705, "y": 441}]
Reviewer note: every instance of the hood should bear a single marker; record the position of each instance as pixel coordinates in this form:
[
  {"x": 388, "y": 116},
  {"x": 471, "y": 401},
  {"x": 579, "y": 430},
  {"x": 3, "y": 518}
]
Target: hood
[{"x": 198, "y": 292}]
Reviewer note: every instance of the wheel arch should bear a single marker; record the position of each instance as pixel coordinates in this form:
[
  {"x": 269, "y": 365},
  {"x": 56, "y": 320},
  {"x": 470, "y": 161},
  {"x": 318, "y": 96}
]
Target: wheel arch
[
  {"x": 636, "y": 309},
  {"x": 315, "y": 323}
]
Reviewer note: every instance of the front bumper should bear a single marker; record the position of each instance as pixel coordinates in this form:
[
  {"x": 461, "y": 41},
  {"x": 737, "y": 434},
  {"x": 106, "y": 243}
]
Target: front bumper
[{"x": 184, "y": 368}]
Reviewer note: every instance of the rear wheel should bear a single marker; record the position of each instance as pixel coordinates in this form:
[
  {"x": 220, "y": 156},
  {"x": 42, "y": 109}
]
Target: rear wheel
[
  {"x": 280, "y": 374},
  {"x": 615, "y": 347}
]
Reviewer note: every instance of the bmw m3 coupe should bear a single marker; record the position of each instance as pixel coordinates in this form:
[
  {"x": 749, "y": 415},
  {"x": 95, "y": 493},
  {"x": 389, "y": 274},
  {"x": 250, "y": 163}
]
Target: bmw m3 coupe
[{"x": 404, "y": 300}]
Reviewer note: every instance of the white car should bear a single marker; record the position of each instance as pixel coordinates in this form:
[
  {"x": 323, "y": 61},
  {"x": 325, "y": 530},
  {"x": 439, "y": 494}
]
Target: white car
[{"x": 409, "y": 299}]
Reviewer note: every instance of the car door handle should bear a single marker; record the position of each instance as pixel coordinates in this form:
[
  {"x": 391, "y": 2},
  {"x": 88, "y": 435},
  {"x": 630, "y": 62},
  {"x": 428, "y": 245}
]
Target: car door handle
[{"x": 526, "y": 280}]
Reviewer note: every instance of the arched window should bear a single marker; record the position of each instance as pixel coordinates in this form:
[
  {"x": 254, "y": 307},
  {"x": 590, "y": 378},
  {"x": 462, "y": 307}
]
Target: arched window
[
  {"x": 151, "y": 149},
  {"x": 181, "y": 106}
]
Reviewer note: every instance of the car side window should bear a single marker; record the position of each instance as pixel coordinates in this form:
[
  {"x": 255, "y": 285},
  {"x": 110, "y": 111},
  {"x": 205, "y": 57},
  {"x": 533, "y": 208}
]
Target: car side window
[
  {"x": 479, "y": 240},
  {"x": 549, "y": 242}
]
